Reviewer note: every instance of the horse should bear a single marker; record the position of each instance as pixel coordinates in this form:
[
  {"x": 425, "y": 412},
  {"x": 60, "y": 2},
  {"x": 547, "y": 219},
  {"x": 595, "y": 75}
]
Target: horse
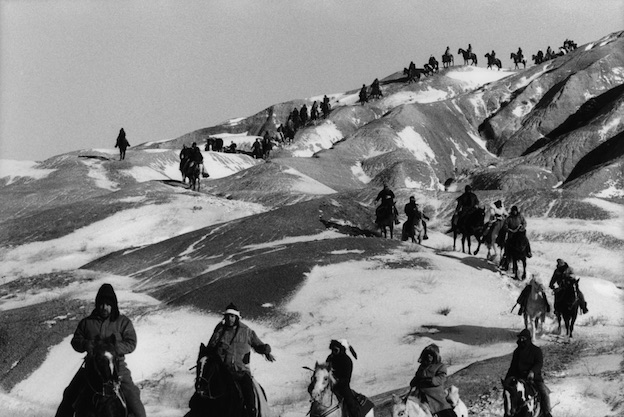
[
  {"x": 538, "y": 58},
  {"x": 468, "y": 56},
  {"x": 518, "y": 59},
  {"x": 520, "y": 399},
  {"x": 470, "y": 224},
  {"x": 216, "y": 391},
  {"x": 567, "y": 305},
  {"x": 324, "y": 402},
  {"x": 433, "y": 63},
  {"x": 535, "y": 311},
  {"x": 375, "y": 91},
  {"x": 192, "y": 171},
  {"x": 492, "y": 240},
  {"x": 516, "y": 248},
  {"x": 385, "y": 220},
  {"x": 413, "y": 74},
  {"x": 428, "y": 70},
  {"x": 102, "y": 396},
  {"x": 493, "y": 61},
  {"x": 447, "y": 60},
  {"x": 413, "y": 230},
  {"x": 412, "y": 406}
]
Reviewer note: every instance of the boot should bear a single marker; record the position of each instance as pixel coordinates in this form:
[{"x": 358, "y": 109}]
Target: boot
[{"x": 521, "y": 311}]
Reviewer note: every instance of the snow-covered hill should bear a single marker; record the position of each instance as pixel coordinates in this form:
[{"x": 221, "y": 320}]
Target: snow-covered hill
[{"x": 292, "y": 241}]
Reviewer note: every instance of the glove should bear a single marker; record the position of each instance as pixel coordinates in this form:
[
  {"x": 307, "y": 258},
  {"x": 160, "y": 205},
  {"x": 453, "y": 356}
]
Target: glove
[
  {"x": 267, "y": 353},
  {"x": 531, "y": 376}
]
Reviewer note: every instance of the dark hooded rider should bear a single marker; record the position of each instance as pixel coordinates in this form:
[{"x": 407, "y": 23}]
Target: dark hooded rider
[
  {"x": 363, "y": 94},
  {"x": 341, "y": 366},
  {"x": 466, "y": 204},
  {"x": 429, "y": 382},
  {"x": 185, "y": 156},
  {"x": 563, "y": 272},
  {"x": 526, "y": 364},
  {"x": 413, "y": 213},
  {"x": 387, "y": 202},
  {"x": 234, "y": 341},
  {"x": 104, "y": 321}
]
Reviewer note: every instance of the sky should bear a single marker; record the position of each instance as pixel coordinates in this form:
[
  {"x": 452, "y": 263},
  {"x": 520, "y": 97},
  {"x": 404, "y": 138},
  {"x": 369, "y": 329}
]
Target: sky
[
  {"x": 365, "y": 294},
  {"x": 73, "y": 72}
]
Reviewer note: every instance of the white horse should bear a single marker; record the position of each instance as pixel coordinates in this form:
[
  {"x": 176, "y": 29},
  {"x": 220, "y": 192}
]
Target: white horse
[
  {"x": 324, "y": 401},
  {"x": 413, "y": 407},
  {"x": 535, "y": 311}
]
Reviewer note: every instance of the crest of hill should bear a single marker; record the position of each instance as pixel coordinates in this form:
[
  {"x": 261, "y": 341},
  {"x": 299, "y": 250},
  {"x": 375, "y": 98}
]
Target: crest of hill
[{"x": 540, "y": 128}]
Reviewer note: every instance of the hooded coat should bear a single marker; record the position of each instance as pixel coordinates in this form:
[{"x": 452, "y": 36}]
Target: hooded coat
[
  {"x": 116, "y": 324},
  {"x": 525, "y": 359},
  {"x": 430, "y": 379}
]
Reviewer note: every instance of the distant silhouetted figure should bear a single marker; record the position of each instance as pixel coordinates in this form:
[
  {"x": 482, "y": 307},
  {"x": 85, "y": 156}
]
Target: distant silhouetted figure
[
  {"x": 325, "y": 107},
  {"x": 314, "y": 111},
  {"x": 122, "y": 144},
  {"x": 363, "y": 95},
  {"x": 303, "y": 115}
]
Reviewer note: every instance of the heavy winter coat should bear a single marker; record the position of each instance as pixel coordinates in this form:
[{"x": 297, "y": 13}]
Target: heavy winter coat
[
  {"x": 430, "y": 380},
  {"x": 526, "y": 359},
  {"x": 234, "y": 345},
  {"x": 116, "y": 324}
]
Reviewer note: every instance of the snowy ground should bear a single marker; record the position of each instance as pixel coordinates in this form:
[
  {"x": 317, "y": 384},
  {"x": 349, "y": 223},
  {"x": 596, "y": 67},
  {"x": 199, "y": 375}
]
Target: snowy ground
[{"x": 384, "y": 306}]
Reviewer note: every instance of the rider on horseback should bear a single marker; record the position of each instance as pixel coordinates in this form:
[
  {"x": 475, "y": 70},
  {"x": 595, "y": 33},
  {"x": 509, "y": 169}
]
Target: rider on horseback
[
  {"x": 233, "y": 341},
  {"x": 523, "y": 298},
  {"x": 448, "y": 51},
  {"x": 519, "y": 55},
  {"x": 565, "y": 275},
  {"x": 387, "y": 203},
  {"x": 516, "y": 223},
  {"x": 363, "y": 95},
  {"x": 497, "y": 213},
  {"x": 104, "y": 321},
  {"x": 185, "y": 155},
  {"x": 413, "y": 214},
  {"x": 341, "y": 366},
  {"x": 469, "y": 49},
  {"x": 466, "y": 204},
  {"x": 429, "y": 382},
  {"x": 526, "y": 364}
]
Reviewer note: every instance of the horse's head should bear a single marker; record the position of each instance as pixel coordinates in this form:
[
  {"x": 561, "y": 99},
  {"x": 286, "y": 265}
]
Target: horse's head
[
  {"x": 452, "y": 396},
  {"x": 209, "y": 373},
  {"x": 409, "y": 408},
  {"x": 518, "y": 397},
  {"x": 322, "y": 379},
  {"x": 536, "y": 284},
  {"x": 103, "y": 362}
]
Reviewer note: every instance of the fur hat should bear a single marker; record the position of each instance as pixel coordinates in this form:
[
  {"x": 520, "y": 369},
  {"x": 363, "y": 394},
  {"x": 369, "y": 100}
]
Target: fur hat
[
  {"x": 343, "y": 345},
  {"x": 232, "y": 309}
]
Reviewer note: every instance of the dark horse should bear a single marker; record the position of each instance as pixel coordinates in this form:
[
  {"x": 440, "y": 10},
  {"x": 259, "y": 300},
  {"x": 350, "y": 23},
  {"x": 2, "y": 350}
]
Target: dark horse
[
  {"x": 518, "y": 59},
  {"x": 385, "y": 219},
  {"x": 412, "y": 73},
  {"x": 567, "y": 304},
  {"x": 192, "y": 171},
  {"x": 470, "y": 224},
  {"x": 216, "y": 392},
  {"x": 102, "y": 396},
  {"x": 520, "y": 398},
  {"x": 493, "y": 61},
  {"x": 516, "y": 249},
  {"x": 434, "y": 64},
  {"x": 468, "y": 56},
  {"x": 447, "y": 60}
]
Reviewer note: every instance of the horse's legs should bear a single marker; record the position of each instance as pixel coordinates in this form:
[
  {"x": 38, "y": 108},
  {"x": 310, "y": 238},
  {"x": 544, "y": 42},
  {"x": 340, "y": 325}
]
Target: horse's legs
[
  {"x": 558, "y": 323},
  {"x": 514, "y": 267},
  {"x": 478, "y": 246},
  {"x": 523, "y": 268}
]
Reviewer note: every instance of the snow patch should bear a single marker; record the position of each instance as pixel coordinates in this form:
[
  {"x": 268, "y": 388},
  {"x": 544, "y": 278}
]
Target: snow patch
[
  {"x": 19, "y": 169},
  {"x": 412, "y": 141}
]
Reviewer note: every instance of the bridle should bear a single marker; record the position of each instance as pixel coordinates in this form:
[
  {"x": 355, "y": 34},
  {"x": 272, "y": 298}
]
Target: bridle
[
  {"x": 199, "y": 378},
  {"x": 329, "y": 409},
  {"x": 515, "y": 401},
  {"x": 111, "y": 387}
]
